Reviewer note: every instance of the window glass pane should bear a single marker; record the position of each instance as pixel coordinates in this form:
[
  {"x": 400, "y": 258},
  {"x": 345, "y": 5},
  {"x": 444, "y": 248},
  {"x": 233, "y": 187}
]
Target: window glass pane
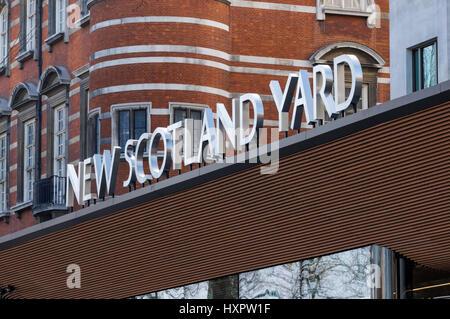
[
  {"x": 2, "y": 170},
  {"x": 196, "y": 115},
  {"x": 429, "y": 66},
  {"x": 140, "y": 123},
  {"x": 60, "y": 119},
  {"x": 124, "y": 128},
  {"x": 3, "y": 36},
  {"x": 3, "y": 147},
  {"x": 97, "y": 134},
  {"x": 93, "y": 135},
  {"x": 179, "y": 115}
]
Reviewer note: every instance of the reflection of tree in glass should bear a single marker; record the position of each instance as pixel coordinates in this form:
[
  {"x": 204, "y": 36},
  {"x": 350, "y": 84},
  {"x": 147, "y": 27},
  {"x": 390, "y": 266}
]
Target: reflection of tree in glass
[{"x": 337, "y": 276}]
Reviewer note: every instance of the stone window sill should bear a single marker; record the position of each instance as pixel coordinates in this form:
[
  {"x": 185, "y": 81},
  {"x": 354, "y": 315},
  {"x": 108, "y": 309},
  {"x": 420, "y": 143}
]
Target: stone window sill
[
  {"x": 54, "y": 38},
  {"x": 4, "y": 216},
  {"x": 322, "y": 11},
  {"x": 84, "y": 20},
  {"x": 22, "y": 57},
  {"x": 17, "y": 209}
]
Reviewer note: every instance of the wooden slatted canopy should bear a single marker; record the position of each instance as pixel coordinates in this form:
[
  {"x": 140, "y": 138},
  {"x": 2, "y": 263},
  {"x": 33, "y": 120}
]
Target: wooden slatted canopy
[{"x": 378, "y": 177}]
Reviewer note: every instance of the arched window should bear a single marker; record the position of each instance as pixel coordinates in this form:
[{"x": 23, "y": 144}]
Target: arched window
[
  {"x": 371, "y": 63},
  {"x": 23, "y": 100},
  {"x": 3, "y": 36}
]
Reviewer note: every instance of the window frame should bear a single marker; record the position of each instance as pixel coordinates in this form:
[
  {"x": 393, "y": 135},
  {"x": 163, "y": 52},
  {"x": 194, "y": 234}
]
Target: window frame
[
  {"x": 189, "y": 107},
  {"x": 4, "y": 36},
  {"x": 59, "y": 133},
  {"x": 96, "y": 115},
  {"x": 3, "y": 172},
  {"x": 115, "y": 121},
  {"x": 84, "y": 8},
  {"x": 418, "y": 49},
  {"x": 30, "y": 26},
  {"x": 29, "y": 149},
  {"x": 60, "y": 26}
]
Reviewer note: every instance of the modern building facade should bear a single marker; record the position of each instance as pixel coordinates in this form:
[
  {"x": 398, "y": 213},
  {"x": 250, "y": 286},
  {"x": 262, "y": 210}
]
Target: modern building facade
[
  {"x": 81, "y": 77},
  {"x": 420, "y": 46}
]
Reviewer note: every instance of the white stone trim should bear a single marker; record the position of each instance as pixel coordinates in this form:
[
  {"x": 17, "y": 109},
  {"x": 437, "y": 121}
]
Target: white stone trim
[
  {"x": 14, "y": 22},
  {"x": 174, "y": 87},
  {"x": 14, "y": 42},
  {"x": 160, "y": 48},
  {"x": 74, "y": 91},
  {"x": 200, "y": 50},
  {"x": 158, "y": 87},
  {"x": 159, "y": 19},
  {"x": 273, "y": 6},
  {"x": 160, "y": 111},
  {"x": 269, "y": 60},
  {"x": 384, "y": 80},
  {"x": 182, "y": 60},
  {"x": 74, "y": 116},
  {"x": 75, "y": 81},
  {"x": 74, "y": 140}
]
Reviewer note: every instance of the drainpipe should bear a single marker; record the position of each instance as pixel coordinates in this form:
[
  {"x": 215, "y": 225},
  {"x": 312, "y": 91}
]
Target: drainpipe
[{"x": 39, "y": 101}]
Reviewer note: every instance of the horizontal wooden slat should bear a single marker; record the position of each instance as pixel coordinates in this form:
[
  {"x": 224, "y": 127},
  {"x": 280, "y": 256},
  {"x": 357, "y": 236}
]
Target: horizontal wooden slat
[{"x": 386, "y": 185}]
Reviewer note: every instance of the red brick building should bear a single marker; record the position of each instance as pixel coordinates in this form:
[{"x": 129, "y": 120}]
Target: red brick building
[
  {"x": 149, "y": 62},
  {"x": 364, "y": 191}
]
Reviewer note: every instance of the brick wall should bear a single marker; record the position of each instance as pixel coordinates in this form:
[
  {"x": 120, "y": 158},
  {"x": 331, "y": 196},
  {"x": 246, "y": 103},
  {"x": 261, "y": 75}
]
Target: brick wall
[{"x": 184, "y": 31}]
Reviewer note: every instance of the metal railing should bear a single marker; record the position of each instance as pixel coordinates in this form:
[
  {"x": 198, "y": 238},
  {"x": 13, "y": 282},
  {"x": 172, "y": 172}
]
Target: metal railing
[{"x": 50, "y": 192}]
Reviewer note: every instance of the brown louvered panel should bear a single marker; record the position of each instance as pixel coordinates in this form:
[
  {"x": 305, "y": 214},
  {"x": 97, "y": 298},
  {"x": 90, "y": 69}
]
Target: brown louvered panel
[{"x": 387, "y": 185}]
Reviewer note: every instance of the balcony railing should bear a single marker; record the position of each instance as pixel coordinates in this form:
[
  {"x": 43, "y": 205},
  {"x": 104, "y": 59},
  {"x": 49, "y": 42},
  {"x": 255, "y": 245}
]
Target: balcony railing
[{"x": 50, "y": 192}]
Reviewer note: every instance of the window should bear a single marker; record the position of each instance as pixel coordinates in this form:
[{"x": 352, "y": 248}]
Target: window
[
  {"x": 93, "y": 135},
  {"x": 132, "y": 124},
  {"x": 130, "y": 121},
  {"x": 360, "y": 5},
  {"x": 362, "y": 105},
  {"x": 3, "y": 36},
  {"x": 3, "y": 172},
  {"x": 60, "y": 16},
  {"x": 181, "y": 112},
  {"x": 59, "y": 141},
  {"x": 425, "y": 72},
  {"x": 30, "y": 25},
  {"x": 28, "y": 160},
  {"x": 84, "y": 8},
  {"x": 347, "y": 7}
]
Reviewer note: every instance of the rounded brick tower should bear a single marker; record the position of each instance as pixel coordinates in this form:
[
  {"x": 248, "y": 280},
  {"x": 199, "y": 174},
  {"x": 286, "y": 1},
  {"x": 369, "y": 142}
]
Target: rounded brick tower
[{"x": 159, "y": 53}]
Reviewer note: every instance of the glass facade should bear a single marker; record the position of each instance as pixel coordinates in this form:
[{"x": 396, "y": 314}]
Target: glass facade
[
  {"x": 371, "y": 272},
  {"x": 346, "y": 275}
]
